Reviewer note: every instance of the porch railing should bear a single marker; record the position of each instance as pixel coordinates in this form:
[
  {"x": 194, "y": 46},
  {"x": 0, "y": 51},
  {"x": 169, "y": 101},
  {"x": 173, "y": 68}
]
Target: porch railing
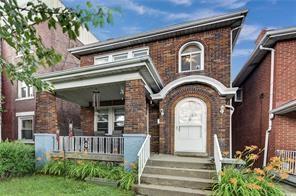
[
  {"x": 91, "y": 144},
  {"x": 217, "y": 156},
  {"x": 143, "y": 156},
  {"x": 288, "y": 159}
]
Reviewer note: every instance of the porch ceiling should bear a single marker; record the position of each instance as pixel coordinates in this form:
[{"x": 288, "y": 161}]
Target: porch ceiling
[{"x": 83, "y": 96}]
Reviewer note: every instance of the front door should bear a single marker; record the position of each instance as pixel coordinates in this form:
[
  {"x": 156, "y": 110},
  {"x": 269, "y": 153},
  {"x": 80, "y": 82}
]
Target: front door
[{"x": 190, "y": 126}]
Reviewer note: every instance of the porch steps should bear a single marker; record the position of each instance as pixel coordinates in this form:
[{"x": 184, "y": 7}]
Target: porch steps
[{"x": 175, "y": 175}]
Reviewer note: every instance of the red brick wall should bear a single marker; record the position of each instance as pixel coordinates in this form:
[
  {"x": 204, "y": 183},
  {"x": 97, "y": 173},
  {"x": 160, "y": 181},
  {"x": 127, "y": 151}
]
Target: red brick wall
[
  {"x": 135, "y": 107},
  {"x": 66, "y": 110},
  {"x": 164, "y": 54},
  {"x": 154, "y": 127},
  {"x": 46, "y": 119},
  {"x": 217, "y": 123},
  {"x": 250, "y": 118}
]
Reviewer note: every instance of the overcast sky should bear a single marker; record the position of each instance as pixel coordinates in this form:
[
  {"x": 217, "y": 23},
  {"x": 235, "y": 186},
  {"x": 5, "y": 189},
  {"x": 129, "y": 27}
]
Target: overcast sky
[{"x": 143, "y": 15}]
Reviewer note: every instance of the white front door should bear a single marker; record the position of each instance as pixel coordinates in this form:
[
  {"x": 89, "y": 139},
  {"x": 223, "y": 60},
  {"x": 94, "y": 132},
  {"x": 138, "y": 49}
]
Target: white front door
[{"x": 190, "y": 125}]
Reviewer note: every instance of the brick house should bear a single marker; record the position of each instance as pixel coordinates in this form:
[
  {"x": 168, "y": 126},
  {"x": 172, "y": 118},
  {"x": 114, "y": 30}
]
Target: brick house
[
  {"x": 20, "y": 100},
  {"x": 265, "y": 112},
  {"x": 170, "y": 83}
]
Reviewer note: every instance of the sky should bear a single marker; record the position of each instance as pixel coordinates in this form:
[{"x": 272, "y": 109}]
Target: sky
[{"x": 138, "y": 16}]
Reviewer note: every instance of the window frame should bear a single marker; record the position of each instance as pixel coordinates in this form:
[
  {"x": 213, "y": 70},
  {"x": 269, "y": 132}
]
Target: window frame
[
  {"x": 130, "y": 55},
  {"x": 19, "y": 91},
  {"x": 111, "y": 118},
  {"x": 20, "y": 118},
  {"x": 180, "y": 55}
]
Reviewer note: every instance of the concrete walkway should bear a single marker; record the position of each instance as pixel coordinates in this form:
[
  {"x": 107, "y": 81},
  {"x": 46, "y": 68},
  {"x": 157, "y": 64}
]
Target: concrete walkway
[{"x": 289, "y": 190}]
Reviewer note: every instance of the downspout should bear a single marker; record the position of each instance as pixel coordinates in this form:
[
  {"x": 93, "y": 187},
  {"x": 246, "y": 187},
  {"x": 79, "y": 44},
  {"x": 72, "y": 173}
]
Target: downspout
[
  {"x": 230, "y": 102},
  {"x": 270, "y": 103}
]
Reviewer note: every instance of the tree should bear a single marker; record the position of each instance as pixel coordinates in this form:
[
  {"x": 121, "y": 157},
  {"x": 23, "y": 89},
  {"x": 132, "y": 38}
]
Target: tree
[{"x": 17, "y": 28}]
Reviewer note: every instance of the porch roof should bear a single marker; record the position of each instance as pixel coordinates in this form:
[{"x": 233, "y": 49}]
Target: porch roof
[
  {"x": 114, "y": 72},
  {"x": 290, "y": 106}
]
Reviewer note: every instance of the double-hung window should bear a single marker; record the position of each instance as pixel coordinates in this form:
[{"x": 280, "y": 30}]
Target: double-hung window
[
  {"x": 24, "y": 90},
  {"x": 109, "y": 119},
  {"x": 25, "y": 126},
  {"x": 191, "y": 57}
]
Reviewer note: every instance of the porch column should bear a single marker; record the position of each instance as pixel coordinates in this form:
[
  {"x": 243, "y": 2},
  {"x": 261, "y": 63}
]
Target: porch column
[
  {"x": 135, "y": 125},
  {"x": 87, "y": 120},
  {"x": 46, "y": 119},
  {"x": 135, "y": 107}
]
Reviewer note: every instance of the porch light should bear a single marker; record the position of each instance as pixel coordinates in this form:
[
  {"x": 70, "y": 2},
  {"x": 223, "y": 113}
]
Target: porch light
[{"x": 96, "y": 99}]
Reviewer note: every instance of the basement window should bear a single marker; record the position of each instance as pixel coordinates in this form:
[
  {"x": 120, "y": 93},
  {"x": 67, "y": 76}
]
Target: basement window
[{"x": 238, "y": 95}]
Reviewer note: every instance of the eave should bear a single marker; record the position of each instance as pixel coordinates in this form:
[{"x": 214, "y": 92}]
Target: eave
[{"x": 285, "y": 108}]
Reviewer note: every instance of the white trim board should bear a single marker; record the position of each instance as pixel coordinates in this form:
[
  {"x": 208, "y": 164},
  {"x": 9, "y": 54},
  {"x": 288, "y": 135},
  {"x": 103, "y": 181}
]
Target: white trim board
[{"x": 20, "y": 114}]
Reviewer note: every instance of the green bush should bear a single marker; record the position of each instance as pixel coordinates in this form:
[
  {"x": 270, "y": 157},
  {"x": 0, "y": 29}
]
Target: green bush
[
  {"x": 16, "y": 159},
  {"x": 83, "y": 169},
  {"x": 248, "y": 181}
]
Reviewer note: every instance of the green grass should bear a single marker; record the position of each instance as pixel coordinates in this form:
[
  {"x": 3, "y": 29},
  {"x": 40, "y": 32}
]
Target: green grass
[{"x": 54, "y": 186}]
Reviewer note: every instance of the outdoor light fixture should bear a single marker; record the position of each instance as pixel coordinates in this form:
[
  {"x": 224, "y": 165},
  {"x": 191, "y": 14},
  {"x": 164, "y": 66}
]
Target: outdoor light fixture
[{"x": 96, "y": 99}]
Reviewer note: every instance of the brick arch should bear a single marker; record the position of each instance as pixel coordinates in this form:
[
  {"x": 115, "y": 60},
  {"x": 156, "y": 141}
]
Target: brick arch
[{"x": 168, "y": 104}]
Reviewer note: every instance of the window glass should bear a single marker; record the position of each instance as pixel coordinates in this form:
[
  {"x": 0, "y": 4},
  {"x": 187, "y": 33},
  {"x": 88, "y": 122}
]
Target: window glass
[
  {"x": 139, "y": 53},
  {"x": 101, "y": 60},
  {"x": 102, "y": 124},
  {"x": 25, "y": 91},
  {"x": 191, "y": 58},
  {"x": 119, "y": 119},
  {"x": 120, "y": 57},
  {"x": 27, "y": 129}
]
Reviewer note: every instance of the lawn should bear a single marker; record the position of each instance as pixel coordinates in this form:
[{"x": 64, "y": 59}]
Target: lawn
[{"x": 49, "y": 185}]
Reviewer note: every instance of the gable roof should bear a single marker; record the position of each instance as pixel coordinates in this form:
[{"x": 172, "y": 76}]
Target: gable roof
[
  {"x": 233, "y": 20},
  {"x": 268, "y": 40}
]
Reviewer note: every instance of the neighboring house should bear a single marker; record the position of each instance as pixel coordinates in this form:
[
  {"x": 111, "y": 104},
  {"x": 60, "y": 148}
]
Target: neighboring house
[
  {"x": 171, "y": 83},
  {"x": 265, "y": 106},
  {"x": 20, "y": 99}
]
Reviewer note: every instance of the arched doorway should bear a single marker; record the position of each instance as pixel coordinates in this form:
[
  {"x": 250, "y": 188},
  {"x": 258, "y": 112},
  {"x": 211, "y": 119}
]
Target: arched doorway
[{"x": 190, "y": 126}]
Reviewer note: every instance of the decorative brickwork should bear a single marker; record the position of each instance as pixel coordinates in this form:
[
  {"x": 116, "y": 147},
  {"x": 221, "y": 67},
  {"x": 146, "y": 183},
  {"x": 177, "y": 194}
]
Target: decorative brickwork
[
  {"x": 46, "y": 120},
  {"x": 135, "y": 107},
  {"x": 217, "y": 123},
  {"x": 87, "y": 120}
]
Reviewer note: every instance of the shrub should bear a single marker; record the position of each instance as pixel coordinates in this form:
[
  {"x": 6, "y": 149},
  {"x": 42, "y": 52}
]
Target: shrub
[
  {"x": 83, "y": 169},
  {"x": 16, "y": 159},
  {"x": 249, "y": 181}
]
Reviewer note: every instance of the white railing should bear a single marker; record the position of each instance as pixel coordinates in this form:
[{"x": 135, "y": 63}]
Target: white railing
[
  {"x": 288, "y": 158},
  {"x": 217, "y": 156},
  {"x": 91, "y": 144},
  {"x": 143, "y": 156}
]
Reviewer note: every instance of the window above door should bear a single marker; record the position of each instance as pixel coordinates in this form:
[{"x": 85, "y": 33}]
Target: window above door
[{"x": 191, "y": 57}]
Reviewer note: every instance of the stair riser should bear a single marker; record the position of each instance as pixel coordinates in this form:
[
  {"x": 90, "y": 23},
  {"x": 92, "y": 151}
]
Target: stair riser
[
  {"x": 177, "y": 183},
  {"x": 156, "y": 192},
  {"x": 180, "y": 164},
  {"x": 194, "y": 174}
]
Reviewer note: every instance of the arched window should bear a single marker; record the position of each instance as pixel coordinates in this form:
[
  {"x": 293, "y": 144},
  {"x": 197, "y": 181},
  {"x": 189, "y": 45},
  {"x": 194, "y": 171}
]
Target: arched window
[{"x": 191, "y": 57}]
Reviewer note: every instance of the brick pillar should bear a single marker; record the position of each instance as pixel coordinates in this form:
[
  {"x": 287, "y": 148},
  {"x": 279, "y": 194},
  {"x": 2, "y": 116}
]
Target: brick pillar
[
  {"x": 46, "y": 119},
  {"x": 87, "y": 120},
  {"x": 135, "y": 107}
]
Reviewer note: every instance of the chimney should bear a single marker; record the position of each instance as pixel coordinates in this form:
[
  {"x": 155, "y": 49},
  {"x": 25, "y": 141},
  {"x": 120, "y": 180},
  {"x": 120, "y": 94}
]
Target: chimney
[{"x": 260, "y": 36}]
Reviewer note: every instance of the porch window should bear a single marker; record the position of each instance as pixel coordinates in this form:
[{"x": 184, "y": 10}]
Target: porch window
[
  {"x": 24, "y": 91},
  {"x": 25, "y": 127},
  {"x": 109, "y": 119},
  {"x": 191, "y": 57}
]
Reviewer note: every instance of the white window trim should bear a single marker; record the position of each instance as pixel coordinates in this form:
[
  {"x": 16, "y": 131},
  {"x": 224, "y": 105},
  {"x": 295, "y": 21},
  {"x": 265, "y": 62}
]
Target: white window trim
[
  {"x": 235, "y": 96},
  {"x": 19, "y": 98},
  {"x": 111, "y": 117},
  {"x": 128, "y": 52},
  {"x": 25, "y": 116},
  {"x": 202, "y": 54}
]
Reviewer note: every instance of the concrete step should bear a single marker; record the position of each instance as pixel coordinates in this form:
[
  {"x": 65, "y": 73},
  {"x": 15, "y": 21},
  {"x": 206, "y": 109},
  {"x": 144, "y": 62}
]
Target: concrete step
[
  {"x": 198, "y": 164},
  {"x": 195, "y": 173},
  {"x": 178, "y": 181},
  {"x": 160, "y": 190}
]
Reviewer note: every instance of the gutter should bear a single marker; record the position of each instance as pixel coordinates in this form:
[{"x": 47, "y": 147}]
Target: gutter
[{"x": 271, "y": 116}]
